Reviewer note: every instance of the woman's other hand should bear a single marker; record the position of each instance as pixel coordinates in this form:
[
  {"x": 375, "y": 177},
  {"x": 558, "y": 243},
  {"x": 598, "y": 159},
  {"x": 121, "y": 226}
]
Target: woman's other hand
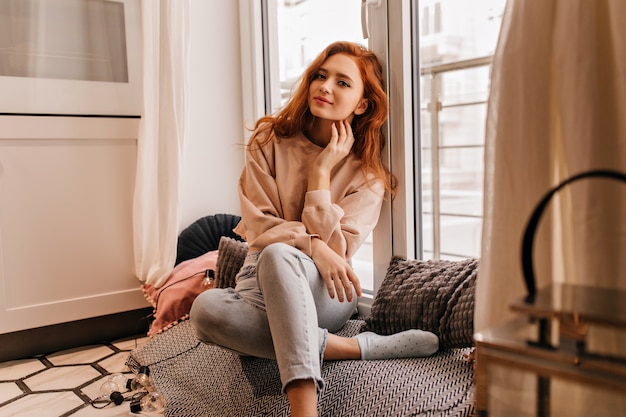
[{"x": 337, "y": 273}]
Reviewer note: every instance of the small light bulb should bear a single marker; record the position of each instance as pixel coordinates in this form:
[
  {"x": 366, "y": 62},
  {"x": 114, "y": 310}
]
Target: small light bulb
[
  {"x": 209, "y": 279},
  {"x": 110, "y": 390},
  {"x": 141, "y": 380},
  {"x": 152, "y": 403},
  {"x": 120, "y": 380}
]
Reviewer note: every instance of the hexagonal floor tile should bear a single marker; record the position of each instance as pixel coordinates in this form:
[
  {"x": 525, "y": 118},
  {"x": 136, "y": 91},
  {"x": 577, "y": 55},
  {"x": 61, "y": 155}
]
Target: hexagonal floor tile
[
  {"x": 115, "y": 363},
  {"x": 54, "y": 378},
  {"x": 64, "y": 377},
  {"x": 12, "y": 370},
  {"x": 122, "y": 410},
  {"x": 8, "y": 391},
  {"x": 44, "y": 404},
  {"x": 130, "y": 344},
  {"x": 86, "y": 354}
]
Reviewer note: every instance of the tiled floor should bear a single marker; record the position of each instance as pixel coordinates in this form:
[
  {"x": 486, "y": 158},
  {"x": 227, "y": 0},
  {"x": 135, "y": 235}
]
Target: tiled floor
[{"x": 64, "y": 383}]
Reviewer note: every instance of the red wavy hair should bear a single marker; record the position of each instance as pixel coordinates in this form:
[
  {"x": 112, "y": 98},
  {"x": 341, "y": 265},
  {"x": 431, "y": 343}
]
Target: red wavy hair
[{"x": 367, "y": 128}]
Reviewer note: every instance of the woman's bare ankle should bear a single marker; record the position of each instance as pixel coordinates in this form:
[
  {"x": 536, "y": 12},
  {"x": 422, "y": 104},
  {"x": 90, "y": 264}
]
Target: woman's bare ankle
[
  {"x": 302, "y": 395},
  {"x": 341, "y": 348}
]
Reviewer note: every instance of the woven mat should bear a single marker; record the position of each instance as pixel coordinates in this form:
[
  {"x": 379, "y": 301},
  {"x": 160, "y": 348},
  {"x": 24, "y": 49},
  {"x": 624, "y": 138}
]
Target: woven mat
[{"x": 207, "y": 381}]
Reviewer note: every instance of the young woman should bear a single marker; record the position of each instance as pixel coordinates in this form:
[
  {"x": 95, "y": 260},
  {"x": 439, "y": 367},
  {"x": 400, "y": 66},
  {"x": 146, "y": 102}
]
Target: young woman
[{"x": 311, "y": 192}]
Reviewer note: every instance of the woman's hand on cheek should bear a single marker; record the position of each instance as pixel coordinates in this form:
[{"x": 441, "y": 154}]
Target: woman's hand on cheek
[
  {"x": 339, "y": 146},
  {"x": 345, "y": 138},
  {"x": 337, "y": 273}
]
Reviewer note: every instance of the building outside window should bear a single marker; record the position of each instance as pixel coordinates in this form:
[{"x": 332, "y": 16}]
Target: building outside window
[{"x": 454, "y": 78}]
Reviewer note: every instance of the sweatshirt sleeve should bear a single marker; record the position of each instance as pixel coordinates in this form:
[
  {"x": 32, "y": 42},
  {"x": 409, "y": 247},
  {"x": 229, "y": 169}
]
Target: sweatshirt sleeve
[
  {"x": 344, "y": 225},
  {"x": 263, "y": 220},
  {"x": 343, "y": 218}
]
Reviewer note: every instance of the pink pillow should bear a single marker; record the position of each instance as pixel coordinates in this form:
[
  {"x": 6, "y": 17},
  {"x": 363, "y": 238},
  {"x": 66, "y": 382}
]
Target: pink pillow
[{"x": 172, "y": 300}]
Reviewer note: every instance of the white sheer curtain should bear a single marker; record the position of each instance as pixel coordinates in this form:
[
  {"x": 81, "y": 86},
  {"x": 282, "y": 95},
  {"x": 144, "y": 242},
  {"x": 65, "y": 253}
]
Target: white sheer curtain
[
  {"x": 557, "y": 107},
  {"x": 161, "y": 136}
]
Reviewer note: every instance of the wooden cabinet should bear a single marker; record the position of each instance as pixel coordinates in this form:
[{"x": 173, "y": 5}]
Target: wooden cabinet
[{"x": 66, "y": 192}]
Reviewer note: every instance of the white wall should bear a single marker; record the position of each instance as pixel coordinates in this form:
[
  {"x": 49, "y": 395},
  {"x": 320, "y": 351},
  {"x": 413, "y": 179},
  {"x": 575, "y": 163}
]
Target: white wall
[{"x": 213, "y": 157}]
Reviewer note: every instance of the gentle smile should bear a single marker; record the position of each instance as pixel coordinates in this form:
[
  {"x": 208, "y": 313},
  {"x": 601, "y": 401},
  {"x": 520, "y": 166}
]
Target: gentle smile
[{"x": 322, "y": 100}]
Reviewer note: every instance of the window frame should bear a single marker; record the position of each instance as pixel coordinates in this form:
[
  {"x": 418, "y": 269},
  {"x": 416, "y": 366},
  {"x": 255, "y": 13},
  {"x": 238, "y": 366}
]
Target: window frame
[{"x": 392, "y": 36}]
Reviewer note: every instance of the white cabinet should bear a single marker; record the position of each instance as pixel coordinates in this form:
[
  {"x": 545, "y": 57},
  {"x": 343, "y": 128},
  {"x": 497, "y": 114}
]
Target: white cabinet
[
  {"x": 71, "y": 57},
  {"x": 66, "y": 191}
]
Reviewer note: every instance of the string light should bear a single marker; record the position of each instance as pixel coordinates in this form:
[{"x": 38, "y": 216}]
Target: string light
[
  {"x": 142, "y": 380},
  {"x": 138, "y": 390},
  {"x": 152, "y": 402},
  {"x": 109, "y": 390},
  {"x": 120, "y": 380},
  {"x": 145, "y": 397},
  {"x": 209, "y": 279}
]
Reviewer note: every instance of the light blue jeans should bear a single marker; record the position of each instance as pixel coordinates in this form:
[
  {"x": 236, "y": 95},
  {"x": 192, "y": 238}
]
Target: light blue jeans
[{"x": 280, "y": 309}]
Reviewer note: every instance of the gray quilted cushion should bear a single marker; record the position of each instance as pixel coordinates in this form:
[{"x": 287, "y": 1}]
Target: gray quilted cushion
[
  {"x": 232, "y": 253},
  {"x": 437, "y": 296}
]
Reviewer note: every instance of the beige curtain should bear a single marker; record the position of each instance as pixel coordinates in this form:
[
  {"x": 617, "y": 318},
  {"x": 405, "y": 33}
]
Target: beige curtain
[
  {"x": 557, "y": 107},
  {"x": 161, "y": 136}
]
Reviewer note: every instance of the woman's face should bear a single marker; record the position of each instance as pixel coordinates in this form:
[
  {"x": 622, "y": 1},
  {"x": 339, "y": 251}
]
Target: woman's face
[{"x": 336, "y": 92}]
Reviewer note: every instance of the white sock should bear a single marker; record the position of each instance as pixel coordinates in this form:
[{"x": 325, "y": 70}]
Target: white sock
[{"x": 406, "y": 344}]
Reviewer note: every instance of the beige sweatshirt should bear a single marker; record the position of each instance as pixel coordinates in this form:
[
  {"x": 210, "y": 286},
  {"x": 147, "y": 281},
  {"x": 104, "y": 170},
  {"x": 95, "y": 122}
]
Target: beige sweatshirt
[{"x": 276, "y": 207}]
